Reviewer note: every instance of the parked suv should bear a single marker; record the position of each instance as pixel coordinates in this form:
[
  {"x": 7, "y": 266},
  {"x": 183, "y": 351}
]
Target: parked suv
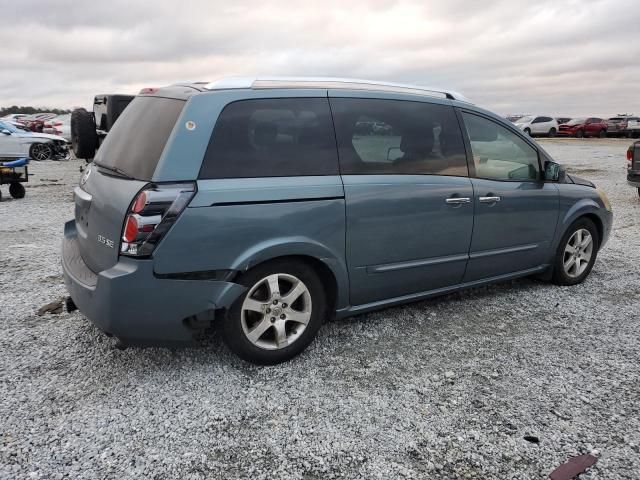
[
  {"x": 538, "y": 125},
  {"x": 584, "y": 127},
  {"x": 619, "y": 126},
  {"x": 259, "y": 205}
]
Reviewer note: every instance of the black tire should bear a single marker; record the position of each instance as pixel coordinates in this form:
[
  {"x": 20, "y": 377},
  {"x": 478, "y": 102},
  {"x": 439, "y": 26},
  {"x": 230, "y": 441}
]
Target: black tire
[
  {"x": 527, "y": 132},
  {"x": 16, "y": 190},
  {"x": 639, "y": 191},
  {"x": 552, "y": 132},
  {"x": 41, "y": 151},
  {"x": 579, "y": 134},
  {"x": 603, "y": 134},
  {"x": 560, "y": 277},
  {"x": 84, "y": 138},
  {"x": 232, "y": 330}
]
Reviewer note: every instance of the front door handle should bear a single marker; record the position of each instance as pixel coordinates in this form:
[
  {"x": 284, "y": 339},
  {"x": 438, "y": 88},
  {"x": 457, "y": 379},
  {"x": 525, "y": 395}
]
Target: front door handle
[
  {"x": 457, "y": 200},
  {"x": 489, "y": 199}
]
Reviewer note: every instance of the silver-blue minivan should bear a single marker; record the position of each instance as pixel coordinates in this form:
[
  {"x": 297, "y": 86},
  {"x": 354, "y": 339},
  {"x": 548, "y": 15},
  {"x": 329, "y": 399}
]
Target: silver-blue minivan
[{"x": 264, "y": 206}]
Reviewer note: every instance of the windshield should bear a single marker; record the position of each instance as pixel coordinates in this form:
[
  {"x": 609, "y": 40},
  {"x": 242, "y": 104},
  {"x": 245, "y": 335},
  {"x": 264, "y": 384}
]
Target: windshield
[
  {"x": 524, "y": 119},
  {"x": 8, "y": 126},
  {"x": 576, "y": 121},
  {"x": 136, "y": 140},
  {"x": 616, "y": 120}
]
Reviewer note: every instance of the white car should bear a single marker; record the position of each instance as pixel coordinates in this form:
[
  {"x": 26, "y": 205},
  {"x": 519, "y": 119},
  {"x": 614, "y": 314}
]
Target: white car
[
  {"x": 15, "y": 143},
  {"x": 14, "y": 117},
  {"x": 538, "y": 125}
]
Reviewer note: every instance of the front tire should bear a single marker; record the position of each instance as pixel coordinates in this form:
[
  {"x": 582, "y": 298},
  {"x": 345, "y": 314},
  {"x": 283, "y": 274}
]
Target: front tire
[
  {"x": 278, "y": 316},
  {"x": 552, "y": 132},
  {"x": 603, "y": 134},
  {"x": 527, "y": 132},
  {"x": 41, "y": 151},
  {"x": 576, "y": 253},
  {"x": 579, "y": 134}
]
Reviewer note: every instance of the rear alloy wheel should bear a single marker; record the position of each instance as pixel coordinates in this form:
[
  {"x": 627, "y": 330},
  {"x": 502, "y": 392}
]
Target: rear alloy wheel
[
  {"x": 552, "y": 132},
  {"x": 579, "y": 134},
  {"x": 279, "y": 314},
  {"x": 576, "y": 253},
  {"x": 41, "y": 151}
]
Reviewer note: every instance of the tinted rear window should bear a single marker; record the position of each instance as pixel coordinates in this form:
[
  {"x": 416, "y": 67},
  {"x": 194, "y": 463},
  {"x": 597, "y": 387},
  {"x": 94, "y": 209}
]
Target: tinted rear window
[
  {"x": 279, "y": 137},
  {"x": 137, "y": 139}
]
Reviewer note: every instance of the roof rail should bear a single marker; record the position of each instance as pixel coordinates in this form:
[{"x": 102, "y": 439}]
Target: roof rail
[{"x": 330, "y": 83}]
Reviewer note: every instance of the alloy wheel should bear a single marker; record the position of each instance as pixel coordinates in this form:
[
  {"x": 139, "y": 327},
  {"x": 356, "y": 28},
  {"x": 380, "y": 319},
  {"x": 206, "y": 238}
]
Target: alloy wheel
[
  {"x": 577, "y": 253},
  {"x": 41, "y": 151},
  {"x": 276, "y": 311}
]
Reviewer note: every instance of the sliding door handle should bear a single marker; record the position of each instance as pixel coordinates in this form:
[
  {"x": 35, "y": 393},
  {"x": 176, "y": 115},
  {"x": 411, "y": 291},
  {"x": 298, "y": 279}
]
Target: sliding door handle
[
  {"x": 489, "y": 199},
  {"x": 457, "y": 200}
]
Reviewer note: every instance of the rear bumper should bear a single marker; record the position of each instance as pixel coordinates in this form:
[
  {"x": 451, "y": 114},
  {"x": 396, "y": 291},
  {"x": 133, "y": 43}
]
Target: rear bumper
[
  {"x": 129, "y": 302},
  {"x": 633, "y": 179}
]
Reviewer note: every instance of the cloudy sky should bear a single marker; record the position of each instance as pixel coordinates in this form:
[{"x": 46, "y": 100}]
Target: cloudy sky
[{"x": 564, "y": 57}]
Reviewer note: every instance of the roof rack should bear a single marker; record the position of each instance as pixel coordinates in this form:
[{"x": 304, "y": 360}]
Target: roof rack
[{"x": 330, "y": 83}]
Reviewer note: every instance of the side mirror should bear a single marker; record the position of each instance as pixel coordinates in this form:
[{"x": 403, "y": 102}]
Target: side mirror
[
  {"x": 5, "y": 131},
  {"x": 554, "y": 172}
]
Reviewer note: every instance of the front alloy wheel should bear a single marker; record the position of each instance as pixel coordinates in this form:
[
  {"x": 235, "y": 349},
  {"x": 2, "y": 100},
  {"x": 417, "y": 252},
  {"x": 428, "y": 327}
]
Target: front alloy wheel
[
  {"x": 576, "y": 253},
  {"x": 41, "y": 151},
  {"x": 279, "y": 314}
]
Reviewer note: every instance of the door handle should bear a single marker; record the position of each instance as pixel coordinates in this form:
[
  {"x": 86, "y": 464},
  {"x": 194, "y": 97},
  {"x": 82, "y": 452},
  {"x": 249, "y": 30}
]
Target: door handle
[
  {"x": 457, "y": 200},
  {"x": 489, "y": 199}
]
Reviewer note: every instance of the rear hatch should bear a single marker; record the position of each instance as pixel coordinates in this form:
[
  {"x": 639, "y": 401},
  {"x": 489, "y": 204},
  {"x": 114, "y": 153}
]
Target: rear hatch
[{"x": 125, "y": 163}]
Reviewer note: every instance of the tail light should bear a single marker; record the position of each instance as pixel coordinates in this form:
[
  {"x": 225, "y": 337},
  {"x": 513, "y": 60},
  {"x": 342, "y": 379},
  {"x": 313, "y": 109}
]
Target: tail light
[
  {"x": 151, "y": 214},
  {"x": 630, "y": 154}
]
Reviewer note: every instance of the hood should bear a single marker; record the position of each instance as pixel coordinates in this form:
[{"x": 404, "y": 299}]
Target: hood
[{"x": 46, "y": 136}]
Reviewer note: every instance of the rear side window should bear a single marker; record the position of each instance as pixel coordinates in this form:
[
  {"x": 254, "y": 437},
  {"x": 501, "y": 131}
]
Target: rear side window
[
  {"x": 398, "y": 137},
  {"x": 136, "y": 141},
  {"x": 281, "y": 137}
]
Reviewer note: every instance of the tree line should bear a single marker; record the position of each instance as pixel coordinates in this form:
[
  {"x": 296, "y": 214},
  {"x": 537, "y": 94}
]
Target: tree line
[{"x": 31, "y": 110}]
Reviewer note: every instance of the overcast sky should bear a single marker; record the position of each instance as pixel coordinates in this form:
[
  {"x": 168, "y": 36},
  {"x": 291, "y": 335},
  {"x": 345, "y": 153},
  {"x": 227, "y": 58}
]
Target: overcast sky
[{"x": 561, "y": 57}]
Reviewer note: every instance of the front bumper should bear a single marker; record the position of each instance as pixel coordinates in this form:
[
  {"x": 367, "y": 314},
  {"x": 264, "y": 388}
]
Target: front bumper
[{"x": 131, "y": 303}]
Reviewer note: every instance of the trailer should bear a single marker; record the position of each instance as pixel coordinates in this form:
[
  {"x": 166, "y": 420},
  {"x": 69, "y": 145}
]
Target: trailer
[{"x": 14, "y": 173}]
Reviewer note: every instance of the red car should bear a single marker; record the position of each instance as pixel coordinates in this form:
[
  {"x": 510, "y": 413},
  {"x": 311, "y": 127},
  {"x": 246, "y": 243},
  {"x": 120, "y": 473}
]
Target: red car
[{"x": 584, "y": 127}]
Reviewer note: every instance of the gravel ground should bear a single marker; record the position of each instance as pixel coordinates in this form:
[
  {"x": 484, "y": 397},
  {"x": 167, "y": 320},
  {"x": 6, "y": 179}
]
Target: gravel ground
[{"x": 446, "y": 388}]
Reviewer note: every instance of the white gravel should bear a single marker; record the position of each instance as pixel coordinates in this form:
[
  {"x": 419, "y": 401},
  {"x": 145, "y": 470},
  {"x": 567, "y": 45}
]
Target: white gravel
[{"x": 445, "y": 388}]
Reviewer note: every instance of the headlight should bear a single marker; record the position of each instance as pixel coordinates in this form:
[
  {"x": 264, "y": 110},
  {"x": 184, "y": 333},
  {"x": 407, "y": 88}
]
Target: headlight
[{"x": 604, "y": 198}]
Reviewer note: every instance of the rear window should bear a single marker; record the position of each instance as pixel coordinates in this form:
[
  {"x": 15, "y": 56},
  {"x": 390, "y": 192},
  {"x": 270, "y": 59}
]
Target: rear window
[
  {"x": 137, "y": 139},
  {"x": 279, "y": 137}
]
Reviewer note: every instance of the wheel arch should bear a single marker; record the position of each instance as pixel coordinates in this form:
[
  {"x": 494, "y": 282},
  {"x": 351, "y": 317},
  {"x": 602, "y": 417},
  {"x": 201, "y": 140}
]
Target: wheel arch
[
  {"x": 329, "y": 266},
  {"x": 586, "y": 208}
]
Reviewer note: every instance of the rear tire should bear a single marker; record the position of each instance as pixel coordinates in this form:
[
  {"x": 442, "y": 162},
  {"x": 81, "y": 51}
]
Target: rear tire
[
  {"x": 278, "y": 316},
  {"x": 84, "y": 138},
  {"x": 16, "y": 190},
  {"x": 639, "y": 191},
  {"x": 552, "y": 132},
  {"x": 579, "y": 134},
  {"x": 527, "y": 132},
  {"x": 602, "y": 134},
  {"x": 576, "y": 255}
]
